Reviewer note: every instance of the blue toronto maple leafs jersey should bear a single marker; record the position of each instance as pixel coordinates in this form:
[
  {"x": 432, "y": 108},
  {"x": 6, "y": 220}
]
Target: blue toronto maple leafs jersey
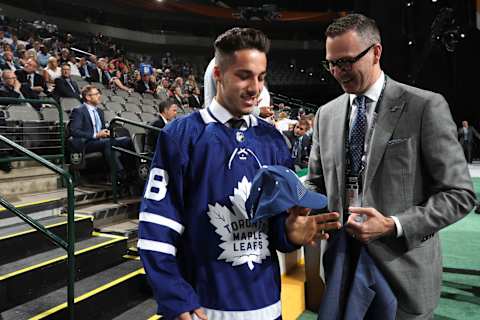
[{"x": 196, "y": 242}]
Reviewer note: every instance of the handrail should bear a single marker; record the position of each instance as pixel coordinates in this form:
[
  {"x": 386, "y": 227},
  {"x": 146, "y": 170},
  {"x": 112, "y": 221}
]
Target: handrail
[
  {"x": 8, "y": 100},
  {"x": 69, "y": 246},
  {"x": 114, "y": 149}
]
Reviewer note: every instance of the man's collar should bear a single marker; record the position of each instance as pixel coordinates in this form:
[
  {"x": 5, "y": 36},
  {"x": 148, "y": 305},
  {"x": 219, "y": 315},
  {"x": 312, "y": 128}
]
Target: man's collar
[
  {"x": 372, "y": 93},
  {"x": 164, "y": 120},
  {"x": 222, "y": 114},
  {"x": 90, "y": 107}
]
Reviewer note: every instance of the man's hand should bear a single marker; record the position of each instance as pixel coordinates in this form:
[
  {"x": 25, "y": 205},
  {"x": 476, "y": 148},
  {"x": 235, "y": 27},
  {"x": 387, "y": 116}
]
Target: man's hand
[
  {"x": 198, "y": 312},
  {"x": 265, "y": 112},
  {"x": 103, "y": 134},
  {"x": 37, "y": 89},
  {"x": 17, "y": 85},
  {"x": 375, "y": 225},
  {"x": 303, "y": 229}
]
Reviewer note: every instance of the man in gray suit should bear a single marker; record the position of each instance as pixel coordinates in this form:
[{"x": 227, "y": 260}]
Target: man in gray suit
[{"x": 412, "y": 178}]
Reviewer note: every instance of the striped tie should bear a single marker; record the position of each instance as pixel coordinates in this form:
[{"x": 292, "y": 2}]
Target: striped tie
[{"x": 357, "y": 135}]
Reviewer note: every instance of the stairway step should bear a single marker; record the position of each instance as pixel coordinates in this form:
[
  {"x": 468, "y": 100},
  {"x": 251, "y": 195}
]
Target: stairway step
[
  {"x": 146, "y": 310},
  {"x": 54, "y": 200},
  {"x": 21, "y": 240},
  {"x": 36, "y": 275},
  {"x": 293, "y": 292},
  {"x": 100, "y": 296},
  {"x": 125, "y": 228},
  {"x": 108, "y": 212},
  {"x": 38, "y": 178}
]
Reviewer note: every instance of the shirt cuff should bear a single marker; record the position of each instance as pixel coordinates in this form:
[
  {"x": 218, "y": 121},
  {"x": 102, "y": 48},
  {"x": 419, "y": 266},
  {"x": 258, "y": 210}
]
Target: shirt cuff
[{"x": 398, "y": 226}]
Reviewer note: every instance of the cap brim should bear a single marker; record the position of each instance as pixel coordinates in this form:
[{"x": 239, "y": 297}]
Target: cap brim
[{"x": 313, "y": 200}]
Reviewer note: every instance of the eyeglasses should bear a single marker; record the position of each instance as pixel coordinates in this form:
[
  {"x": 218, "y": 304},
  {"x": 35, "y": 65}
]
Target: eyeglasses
[{"x": 344, "y": 63}]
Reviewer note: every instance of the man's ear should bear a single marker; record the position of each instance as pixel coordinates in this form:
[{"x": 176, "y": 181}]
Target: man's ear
[{"x": 216, "y": 73}]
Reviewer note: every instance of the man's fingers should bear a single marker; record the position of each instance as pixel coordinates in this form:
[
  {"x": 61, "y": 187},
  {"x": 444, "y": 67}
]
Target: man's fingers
[
  {"x": 320, "y": 218},
  {"x": 366, "y": 211},
  {"x": 184, "y": 316},
  {"x": 200, "y": 313}
]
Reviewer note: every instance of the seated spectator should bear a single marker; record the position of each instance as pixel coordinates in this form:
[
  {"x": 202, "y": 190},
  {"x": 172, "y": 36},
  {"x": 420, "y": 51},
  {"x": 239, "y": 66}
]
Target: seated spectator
[
  {"x": 73, "y": 66},
  {"x": 65, "y": 86},
  {"x": 299, "y": 144},
  {"x": 43, "y": 56},
  {"x": 195, "y": 100},
  {"x": 283, "y": 121},
  {"x": 51, "y": 72},
  {"x": 11, "y": 86},
  {"x": 33, "y": 84},
  {"x": 163, "y": 92},
  {"x": 98, "y": 73},
  {"x": 64, "y": 56},
  {"x": 116, "y": 83},
  {"x": 88, "y": 130},
  {"x": 144, "y": 86},
  {"x": 168, "y": 112},
  {"x": 8, "y": 62},
  {"x": 178, "y": 97},
  {"x": 84, "y": 69}
]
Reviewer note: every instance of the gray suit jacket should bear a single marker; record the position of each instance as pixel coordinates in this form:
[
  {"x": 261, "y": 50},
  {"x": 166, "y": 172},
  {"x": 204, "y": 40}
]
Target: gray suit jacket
[{"x": 415, "y": 170}]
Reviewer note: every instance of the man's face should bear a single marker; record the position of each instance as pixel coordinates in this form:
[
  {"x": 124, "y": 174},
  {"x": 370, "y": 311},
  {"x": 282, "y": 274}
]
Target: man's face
[
  {"x": 9, "y": 78},
  {"x": 8, "y": 55},
  {"x": 171, "y": 112},
  {"x": 66, "y": 71},
  {"x": 363, "y": 72},
  {"x": 30, "y": 66},
  {"x": 94, "y": 97},
  {"x": 299, "y": 130},
  {"x": 465, "y": 124},
  {"x": 242, "y": 81}
]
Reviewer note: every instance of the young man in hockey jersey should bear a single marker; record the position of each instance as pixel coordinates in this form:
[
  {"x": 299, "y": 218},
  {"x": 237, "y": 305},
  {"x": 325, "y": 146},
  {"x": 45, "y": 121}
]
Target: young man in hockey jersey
[{"x": 203, "y": 256}]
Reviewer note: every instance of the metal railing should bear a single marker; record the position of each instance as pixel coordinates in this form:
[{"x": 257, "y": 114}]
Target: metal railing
[
  {"x": 114, "y": 149},
  {"x": 61, "y": 156},
  {"x": 68, "y": 245}
]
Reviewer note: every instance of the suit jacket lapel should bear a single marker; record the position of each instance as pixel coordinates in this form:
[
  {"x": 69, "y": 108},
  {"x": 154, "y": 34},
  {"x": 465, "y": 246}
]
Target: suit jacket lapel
[{"x": 390, "y": 109}]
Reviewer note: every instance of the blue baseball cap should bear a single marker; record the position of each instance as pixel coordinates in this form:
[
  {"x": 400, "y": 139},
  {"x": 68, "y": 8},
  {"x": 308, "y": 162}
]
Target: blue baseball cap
[{"x": 276, "y": 189}]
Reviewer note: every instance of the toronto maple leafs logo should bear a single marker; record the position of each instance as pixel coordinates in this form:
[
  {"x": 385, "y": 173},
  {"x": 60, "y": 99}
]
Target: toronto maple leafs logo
[{"x": 242, "y": 241}]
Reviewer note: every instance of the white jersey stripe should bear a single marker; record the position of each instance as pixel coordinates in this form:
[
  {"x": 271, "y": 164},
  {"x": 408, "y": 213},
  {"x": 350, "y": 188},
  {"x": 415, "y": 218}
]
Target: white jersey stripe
[
  {"x": 270, "y": 312},
  {"x": 156, "y": 246},
  {"x": 156, "y": 219}
]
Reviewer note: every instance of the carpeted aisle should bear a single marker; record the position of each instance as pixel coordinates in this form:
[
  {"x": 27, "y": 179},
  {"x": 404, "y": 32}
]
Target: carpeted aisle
[{"x": 460, "y": 298}]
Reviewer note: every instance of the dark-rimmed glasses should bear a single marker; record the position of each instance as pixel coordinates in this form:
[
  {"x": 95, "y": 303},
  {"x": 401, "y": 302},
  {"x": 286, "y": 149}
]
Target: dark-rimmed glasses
[{"x": 344, "y": 63}]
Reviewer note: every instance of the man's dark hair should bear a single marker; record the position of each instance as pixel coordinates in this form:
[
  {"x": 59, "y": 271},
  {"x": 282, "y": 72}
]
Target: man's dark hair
[
  {"x": 165, "y": 105},
  {"x": 364, "y": 26},
  {"x": 238, "y": 39},
  {"x": 86, "y": 90}
]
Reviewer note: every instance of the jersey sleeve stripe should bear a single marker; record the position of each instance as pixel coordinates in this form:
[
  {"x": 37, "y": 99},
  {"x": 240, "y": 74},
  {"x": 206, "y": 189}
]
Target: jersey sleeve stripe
[
  {"x": 157, "y": 219},
  {"x": 156, "y": 246}
]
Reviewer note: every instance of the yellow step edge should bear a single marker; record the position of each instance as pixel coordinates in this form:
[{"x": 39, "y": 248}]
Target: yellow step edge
[
  {"x": 35, "y": 230},
  {"x": 23, "y": 205},
  {"x": 87, "y": 295},
  {"x": 64, "y": 257},
  {"x": 155, "y": 317},
  {"x": 86, "y": 216},
  {"x": 108, "y": 235},
  {"x": 130, "y": 257}
]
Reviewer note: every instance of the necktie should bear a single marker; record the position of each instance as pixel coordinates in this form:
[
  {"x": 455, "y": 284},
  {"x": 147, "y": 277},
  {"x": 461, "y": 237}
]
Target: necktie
[
  {"x": 98, "y": 122},
  {"x": 71, "y": 85},
  {"x": 236, "y": 123},
  {"x": 357, "y": 135},
  {"x": 31, "y": 80},
  {"x": 296, "y": 148}
]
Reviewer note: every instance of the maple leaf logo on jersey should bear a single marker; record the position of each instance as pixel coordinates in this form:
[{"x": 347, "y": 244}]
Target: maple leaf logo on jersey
[{"x": 243, "y": 241}]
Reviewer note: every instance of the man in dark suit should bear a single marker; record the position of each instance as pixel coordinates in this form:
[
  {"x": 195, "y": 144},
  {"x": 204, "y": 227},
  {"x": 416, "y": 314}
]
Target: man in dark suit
[
  {"x": 11, "y": 88},
  {"x": 98, "y": 74},
  {"x": 299, "y": 143},
  {"x": 87, "y": 128},
  {"x": 387, "y": 156},
  {"x": 465, "y": 136},
  {"x": 168, "y": 112},
  {"x": 65, "y": 86},
  {"x": 144, "y": 85},
  {"x": 8, "y": 62},
  {"x": 33, "y": 84},
  {"x": 195, "y": 100}
]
